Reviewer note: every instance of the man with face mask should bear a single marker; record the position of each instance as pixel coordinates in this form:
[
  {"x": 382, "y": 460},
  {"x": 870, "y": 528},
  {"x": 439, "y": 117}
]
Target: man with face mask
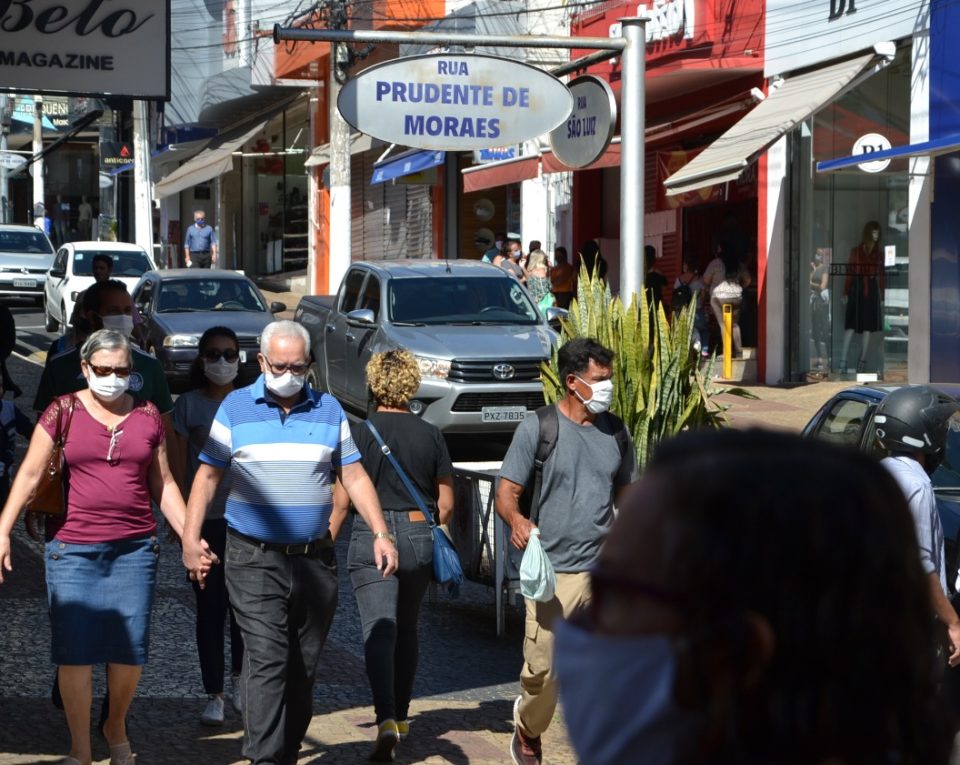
[
  {"x": 284, "y": 445},
  {"x": 200, "y": 245},
  {"x": 581, "y": 479}
]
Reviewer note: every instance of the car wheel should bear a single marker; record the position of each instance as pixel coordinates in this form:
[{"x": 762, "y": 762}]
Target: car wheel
[
  {"x": 49, "y": 323},
  {"x": 314, "y": 379},
  {"x": 63, "y": 328}
]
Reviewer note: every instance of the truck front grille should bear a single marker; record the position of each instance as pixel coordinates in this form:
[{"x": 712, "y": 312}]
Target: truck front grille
[
  {"x": 468, "y": 371},
  {"x": 474, "y": 402}
]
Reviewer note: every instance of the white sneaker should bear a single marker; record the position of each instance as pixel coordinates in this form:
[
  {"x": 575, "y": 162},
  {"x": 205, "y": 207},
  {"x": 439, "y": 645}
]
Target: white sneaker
[
  {"x": 213, "y": 714},
  {"x": 236, "y": 693}
]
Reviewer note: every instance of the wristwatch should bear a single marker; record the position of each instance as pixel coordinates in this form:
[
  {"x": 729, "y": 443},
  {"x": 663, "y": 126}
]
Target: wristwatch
[{"x": 385, "y": 535}]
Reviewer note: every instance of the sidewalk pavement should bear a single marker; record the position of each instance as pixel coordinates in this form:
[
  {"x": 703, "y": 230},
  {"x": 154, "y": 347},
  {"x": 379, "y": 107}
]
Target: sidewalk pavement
[{"x": 778, "y": 407}]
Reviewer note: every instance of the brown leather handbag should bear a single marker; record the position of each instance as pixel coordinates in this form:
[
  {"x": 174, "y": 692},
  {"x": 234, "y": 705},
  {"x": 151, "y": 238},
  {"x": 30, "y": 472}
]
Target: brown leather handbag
[{"x": 48, "y": 497}]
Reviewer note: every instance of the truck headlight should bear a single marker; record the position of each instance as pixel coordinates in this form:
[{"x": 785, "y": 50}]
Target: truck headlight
[
  {"x": 433, "y": 369},
  {"x": 181, "y": 341}
]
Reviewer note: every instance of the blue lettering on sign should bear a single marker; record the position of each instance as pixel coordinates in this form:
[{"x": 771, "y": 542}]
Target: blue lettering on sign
[
  {"x": 516, "y": 97},
  {"x": 581, "y": 102},
  {"x": 432, "y": 93},
  {"x": 581, "y": 127},
  {"x": 452, "y": 67},
  {"x": 455, "y": 127}
]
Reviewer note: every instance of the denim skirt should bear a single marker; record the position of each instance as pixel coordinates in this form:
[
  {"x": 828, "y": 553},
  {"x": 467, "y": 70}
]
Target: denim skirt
[{"x": 100, "y": 596}]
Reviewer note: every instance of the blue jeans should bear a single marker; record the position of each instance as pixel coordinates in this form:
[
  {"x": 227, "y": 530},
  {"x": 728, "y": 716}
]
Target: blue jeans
[
  {"x": 389, "y": 608},
  {"x": 284, "y": 605}
]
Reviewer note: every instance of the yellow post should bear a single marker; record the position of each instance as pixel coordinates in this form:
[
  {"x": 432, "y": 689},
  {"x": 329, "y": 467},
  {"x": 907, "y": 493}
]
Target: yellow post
[{"x": 727, "y": 341}]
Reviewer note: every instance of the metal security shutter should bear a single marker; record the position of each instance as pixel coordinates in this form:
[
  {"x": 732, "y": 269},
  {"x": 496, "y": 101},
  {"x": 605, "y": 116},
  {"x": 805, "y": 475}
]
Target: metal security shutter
[
  {"x": 373, "y": 211},
  {"x": 394, "y": 220},
  {"x": 356, "y": 207},
  {"x": 419, "y": 222}
]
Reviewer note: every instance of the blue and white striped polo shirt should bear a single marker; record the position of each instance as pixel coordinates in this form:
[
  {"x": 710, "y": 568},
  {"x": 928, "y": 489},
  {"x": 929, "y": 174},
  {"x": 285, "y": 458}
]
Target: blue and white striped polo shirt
[{"x": 281, "y": 467}]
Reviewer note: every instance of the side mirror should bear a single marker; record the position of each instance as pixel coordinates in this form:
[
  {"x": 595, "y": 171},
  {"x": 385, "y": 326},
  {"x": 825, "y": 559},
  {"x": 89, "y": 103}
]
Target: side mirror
[
  {"x": 555, "y": 314},
  {"x": 277, "y": 307},
  {"x": 361, "y": 316},
  {"x": 57, "y": 273}
]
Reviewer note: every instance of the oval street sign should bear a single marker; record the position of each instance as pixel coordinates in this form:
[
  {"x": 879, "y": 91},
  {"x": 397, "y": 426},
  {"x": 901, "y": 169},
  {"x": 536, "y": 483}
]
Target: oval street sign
[
  {"x": 587, "y": 132},
  {"x": 12, "y": 161},
  {"x": 867, "y": 145},
  {"x": 454, "y": 102}
]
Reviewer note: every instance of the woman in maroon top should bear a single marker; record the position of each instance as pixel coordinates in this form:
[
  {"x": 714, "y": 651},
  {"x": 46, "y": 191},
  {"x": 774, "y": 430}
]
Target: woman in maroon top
[{"x": 101, "y": 562}]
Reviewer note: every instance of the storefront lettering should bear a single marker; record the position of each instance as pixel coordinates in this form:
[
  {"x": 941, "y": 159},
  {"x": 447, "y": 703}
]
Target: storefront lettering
[
  {"x": 452, "y": 127},
  {"x": 666, "y": 19},
  {"x": 18, "y": 15},
  {"x": 56, "y": 61},
  {"x": 840, "y": 8}
]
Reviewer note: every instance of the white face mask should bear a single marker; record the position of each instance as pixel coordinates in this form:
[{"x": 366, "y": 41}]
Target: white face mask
[
  {"x": 108, "y": 388},
  {"x": 499, "y": 244},
  {"x": 601, "y": 398},
  {"x": 221, "y": 372},
  {"x": 286, "y": 385},
  {"x": 122, "y": 323},
  {"x": 638, "y": 713}
]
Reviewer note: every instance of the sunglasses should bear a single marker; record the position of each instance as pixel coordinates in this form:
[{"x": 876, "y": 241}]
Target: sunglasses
[
  {"x": 279, "y": 369},
  {"x": 105, "y": 371},
  {"x": 215, "y": 354}
]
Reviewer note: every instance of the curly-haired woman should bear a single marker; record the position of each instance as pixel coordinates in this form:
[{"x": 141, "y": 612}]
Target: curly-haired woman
[{"x": 389, "y": 606}]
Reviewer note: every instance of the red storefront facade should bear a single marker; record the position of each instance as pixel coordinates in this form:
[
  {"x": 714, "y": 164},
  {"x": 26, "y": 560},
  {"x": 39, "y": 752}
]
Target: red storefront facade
[{"x": 704, "y": 71}]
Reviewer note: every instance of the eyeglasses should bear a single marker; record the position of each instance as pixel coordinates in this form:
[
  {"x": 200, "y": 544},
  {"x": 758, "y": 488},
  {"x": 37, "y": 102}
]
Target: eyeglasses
[
  {"x": 113, "y": 451},
  {"x": 215, "y": 354},
  {"x": 279, "y": 369},
  {"x": 105, "y": 371}
]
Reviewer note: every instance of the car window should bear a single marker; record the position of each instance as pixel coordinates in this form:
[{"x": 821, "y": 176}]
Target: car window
[
  {"x": 843, "y": 424},
  {"x": 130, "y": 264},
  {"x": 60, "y": 264},
  {"x": 144, "y": 297},
  {"x": 481, "y": 300},
  {"x": 948, "y": 474},
  {"x": 208, "y": 295},
  {"x": 371, "y": 296},
  {"x": 350, "y": 290},
  {"x": 25, "y": 241}
]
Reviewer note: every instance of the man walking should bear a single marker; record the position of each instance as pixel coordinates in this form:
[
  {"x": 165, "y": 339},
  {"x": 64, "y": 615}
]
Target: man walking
[
  {"x": 200, "y": 246},
  {"x": 591, "y": 462},
  {"x": 283, "y": 444}
]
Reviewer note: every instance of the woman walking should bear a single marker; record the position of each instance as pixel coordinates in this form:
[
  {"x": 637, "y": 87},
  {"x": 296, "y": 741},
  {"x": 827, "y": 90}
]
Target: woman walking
[
  {"x": 389, "y": 607},
  {"x": 101, "y": 562},
  {"x": 212, "y": 377}
]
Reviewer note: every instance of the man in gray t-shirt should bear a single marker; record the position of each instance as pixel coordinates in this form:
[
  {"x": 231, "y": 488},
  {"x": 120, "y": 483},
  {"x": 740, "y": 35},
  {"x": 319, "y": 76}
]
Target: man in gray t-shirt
[{"x": 581, "y": 480}]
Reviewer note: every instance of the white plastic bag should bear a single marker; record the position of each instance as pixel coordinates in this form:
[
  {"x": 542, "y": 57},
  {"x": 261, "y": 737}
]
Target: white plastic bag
[{"x": 537, "y": 578}]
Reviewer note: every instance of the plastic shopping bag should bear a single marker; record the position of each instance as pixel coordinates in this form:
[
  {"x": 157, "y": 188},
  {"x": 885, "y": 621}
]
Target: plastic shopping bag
[{"x": 537, "y": 578}]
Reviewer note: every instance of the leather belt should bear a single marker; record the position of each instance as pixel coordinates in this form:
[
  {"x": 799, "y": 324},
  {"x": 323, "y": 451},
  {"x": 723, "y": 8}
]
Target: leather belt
[
  {"x": 414, "y": 516},
  {"x": 299, "y": 548}
]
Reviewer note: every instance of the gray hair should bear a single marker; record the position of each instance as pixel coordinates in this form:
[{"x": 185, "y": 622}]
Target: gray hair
[
  {"x": 284, "y": 328},
  {"x": 105, "y": 340}
]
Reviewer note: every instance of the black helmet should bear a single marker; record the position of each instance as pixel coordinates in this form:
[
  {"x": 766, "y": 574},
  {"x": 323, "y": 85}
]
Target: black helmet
[{"x": 915, "y": 418}]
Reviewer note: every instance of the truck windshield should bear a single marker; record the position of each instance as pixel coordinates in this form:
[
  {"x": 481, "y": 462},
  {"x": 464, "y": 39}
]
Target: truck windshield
[{"x": 476, "y": 300}]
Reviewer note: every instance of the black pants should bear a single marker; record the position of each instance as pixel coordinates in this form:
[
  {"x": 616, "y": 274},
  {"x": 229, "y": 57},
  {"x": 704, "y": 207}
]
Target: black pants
[
  {"x": 284, "y": 605},
  {"x": 200, "y": 259},
  {"x": 389, "y": 609},
  {"x": 213, "y": 607}
]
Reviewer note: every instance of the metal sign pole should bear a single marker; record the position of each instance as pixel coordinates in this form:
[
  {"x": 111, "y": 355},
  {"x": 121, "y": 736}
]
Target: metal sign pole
[{"x": 632, "y": 117}]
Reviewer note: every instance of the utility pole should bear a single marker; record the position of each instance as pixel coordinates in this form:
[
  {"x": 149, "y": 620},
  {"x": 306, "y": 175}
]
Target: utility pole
[
  {"x": 5, "y": 116},
  {"x": 143, "y": 204},
  {"x": 340, "y": 246},
  {"x": 632, "y": 121},
  {"x": 37, "y": 166}
]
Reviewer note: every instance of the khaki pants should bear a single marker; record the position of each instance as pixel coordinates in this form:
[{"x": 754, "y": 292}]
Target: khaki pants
[{"x": 538, "y": 684}]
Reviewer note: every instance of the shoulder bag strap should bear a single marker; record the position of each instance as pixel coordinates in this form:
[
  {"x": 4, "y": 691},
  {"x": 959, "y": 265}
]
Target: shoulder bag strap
[{"x": 411, "y": 490}]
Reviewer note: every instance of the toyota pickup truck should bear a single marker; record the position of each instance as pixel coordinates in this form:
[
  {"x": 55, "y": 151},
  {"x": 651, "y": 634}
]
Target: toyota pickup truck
[{"x": 476, "y": 333}]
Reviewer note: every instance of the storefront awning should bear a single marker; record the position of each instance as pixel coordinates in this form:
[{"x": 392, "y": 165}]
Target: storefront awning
[
  {"x": 783, "y": 109},
  {"x": 359, "y": 143},
  {"x": 495, "y": 174},
  {"x": 406, "y": 164},
  {"x": 934, "y": 148}
]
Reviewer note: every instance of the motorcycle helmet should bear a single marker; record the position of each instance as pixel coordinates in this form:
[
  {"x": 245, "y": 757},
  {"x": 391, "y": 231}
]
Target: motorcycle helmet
[{"x": 916, "y": 418}]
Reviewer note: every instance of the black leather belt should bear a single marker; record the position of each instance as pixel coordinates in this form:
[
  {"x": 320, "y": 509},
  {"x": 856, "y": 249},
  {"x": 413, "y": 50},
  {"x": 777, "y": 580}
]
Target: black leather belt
[{"x": 299, "y": 548}]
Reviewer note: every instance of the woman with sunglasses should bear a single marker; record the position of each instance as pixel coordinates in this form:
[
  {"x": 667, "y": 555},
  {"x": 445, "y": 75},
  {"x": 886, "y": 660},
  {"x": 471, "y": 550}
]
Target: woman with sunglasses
[
  {"x": 101, "y": 562},
  {"x": 212, "y": 377}
]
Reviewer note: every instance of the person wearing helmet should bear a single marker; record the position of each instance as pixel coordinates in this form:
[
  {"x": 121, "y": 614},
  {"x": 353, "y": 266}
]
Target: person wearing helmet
[{"x": 912, "y": 424}]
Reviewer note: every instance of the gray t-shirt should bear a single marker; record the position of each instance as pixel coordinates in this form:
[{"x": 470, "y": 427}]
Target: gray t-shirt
[
  {"x": 580, "y": 478},
  {"x": 192, "y": 417}
]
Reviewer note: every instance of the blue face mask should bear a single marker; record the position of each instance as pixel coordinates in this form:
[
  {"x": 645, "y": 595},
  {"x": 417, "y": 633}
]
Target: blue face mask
[
  {"x": 199, "y": 221},
  {"x": 617, "y": 695}
]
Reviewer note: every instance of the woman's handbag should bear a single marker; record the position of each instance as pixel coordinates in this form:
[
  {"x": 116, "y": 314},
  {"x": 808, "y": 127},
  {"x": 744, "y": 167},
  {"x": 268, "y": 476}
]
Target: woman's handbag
[
  {"x": 48, "y": 495},
  {"x": 446, "y": 561}
]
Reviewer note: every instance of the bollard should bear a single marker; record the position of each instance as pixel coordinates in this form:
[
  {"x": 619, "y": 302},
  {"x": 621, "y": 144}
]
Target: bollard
[{"x": 727, "y": 341}]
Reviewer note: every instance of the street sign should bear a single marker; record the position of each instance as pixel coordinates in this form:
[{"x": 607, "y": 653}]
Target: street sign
[
  {"x": 587, "y": 132},
  {"x": 454, "y": 102},
  {"x": 11, "y": 161},
  {"x": 867, "y": 145}
]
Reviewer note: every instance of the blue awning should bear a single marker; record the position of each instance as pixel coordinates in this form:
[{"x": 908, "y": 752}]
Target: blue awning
[
  {"x": 932, "y": 148},
  {"x": 406, "y": 164}
]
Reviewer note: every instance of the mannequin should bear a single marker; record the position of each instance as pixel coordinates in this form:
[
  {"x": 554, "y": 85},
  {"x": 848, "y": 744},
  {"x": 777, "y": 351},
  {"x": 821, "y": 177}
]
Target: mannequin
[
  {"x": 863, "y": 293},
  {"x": 85, "y": 218}
]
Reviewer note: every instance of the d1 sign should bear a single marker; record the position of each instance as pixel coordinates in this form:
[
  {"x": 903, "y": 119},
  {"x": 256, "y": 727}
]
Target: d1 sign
[{"x": 454, "y": 102}]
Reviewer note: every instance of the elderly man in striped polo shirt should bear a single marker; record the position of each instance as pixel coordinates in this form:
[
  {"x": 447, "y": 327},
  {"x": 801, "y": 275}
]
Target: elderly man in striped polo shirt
[{"x": 284, "y": 444}]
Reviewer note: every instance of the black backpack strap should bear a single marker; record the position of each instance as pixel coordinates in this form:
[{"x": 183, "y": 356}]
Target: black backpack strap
[
  {"x": 548, "y": 421},
  {"x": 619, "y": 428}
]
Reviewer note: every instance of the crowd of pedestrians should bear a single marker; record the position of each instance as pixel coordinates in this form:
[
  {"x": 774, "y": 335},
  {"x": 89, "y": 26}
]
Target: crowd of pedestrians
[{"x": 752, "y": 598}]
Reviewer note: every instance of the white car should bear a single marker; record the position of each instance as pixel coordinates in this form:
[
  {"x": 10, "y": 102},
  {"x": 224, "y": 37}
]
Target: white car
[
  {"x": 72, "y": 273},
  {"x": 25, "y": 258}
]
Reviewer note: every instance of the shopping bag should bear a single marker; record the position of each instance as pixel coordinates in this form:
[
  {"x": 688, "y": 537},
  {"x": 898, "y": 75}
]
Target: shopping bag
[{"x": 537, "y": 578}]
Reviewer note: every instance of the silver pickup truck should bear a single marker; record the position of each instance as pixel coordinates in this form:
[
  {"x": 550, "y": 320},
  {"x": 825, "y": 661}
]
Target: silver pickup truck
[{"x": 476, "y": 333}]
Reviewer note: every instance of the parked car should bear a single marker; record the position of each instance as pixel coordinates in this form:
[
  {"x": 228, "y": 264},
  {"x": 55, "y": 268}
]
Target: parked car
[
  {"x": 477, "y": 335},
  {"x": 847, "y": 418},
  {"x": 178, "y": 305},
  {"x": 72, "y": 273},
  {"x": 25, "y": 257}
]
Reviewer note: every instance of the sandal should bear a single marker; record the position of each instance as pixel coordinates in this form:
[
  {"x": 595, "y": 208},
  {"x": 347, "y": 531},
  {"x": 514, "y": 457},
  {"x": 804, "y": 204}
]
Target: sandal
[{"x": 120, "y": 754}]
